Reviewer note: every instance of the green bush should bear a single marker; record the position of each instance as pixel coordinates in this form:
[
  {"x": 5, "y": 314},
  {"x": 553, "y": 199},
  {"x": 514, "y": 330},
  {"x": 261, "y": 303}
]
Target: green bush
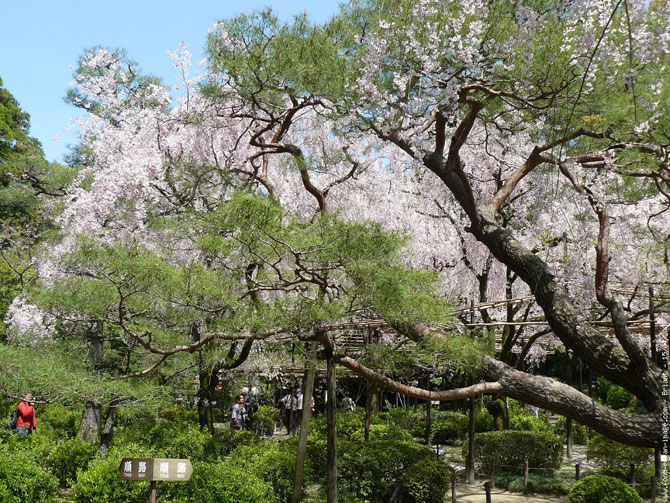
[
  {"x": 382, "y": 432},
  {"x": 67, "y": 457},
  {"x": 528, "y": 422},
  {"x": 537, "y": 483},
  {"x": 225, "y": 441},
  {"x": 427, "y": 481},
  {"x": 580, "y": 433},
  {"x": 23, "y": 480},
  {"x": 273, "y": 463},
  {"x": 101, "y": 482},
  {"x": 618, "y": 456},
  {"x": 446, "y": 426},
  {"x": 613, "y": 395},
  {"x": 373, "y": 471},
  {"x": 348, "y": 423},
  {"x": 64, "y": 421},
  {"x": 617, "y": 397},
  {"x": 483, "y": 421},
  {"x": 264, "y": 420},
  {"x": 602, "y": 489},
  {"x": 219, "y": 482},
  {"x": 509, "y": 449}
]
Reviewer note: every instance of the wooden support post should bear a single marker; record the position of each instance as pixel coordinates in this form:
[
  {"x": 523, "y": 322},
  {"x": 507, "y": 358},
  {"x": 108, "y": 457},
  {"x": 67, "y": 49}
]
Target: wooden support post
[
  {"x": 631, "y": 474},
  {"x": 493, "y": 475},
  {"x": 652, "y": 326},
  {"x": 487, "y": 489},
  {"x": 568, "y": 422},
  {"x": 525, "y": 475},
  {"x": 453, "y": 489},
  {"x": 470, "y": 460},
  {"x": 578, "y": 468},
  {"x": 308, "y": 385},
  {"x": 428, "y": 418},
  {"x": 589, "y": 384},
  {"x": 652, "y": 489},
  {"x": 152, "y": 492},
  {"x": 331, "y": 426}
]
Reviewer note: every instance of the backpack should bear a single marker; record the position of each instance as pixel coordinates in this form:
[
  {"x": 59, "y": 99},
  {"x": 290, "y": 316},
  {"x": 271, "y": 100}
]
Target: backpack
[{"x": 14, "y": 418}]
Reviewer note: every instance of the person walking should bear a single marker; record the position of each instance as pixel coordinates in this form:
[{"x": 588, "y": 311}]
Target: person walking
[
  {"x": 26, "y": 423},
  {"x": 238, "y": 421}
]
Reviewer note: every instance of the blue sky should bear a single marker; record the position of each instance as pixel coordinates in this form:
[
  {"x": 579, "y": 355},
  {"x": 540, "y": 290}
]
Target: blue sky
[{"x": 40, "y": 39}]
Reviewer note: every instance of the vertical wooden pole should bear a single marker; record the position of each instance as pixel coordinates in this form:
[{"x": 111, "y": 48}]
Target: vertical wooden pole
[
  {"x": 631, "y": 474},
  {"x": 568, "y": 422},
  {"x": 368, "y": 389},
  {"x": 470, "y": 460},
  {"x": 308, "y": 383},
  {"x": 589, "y": 384},
  {"x": 652, "y": 325},
  {"x": 152, "y": 493},
  {"x": 331, "y": 455},
  {"x": 428, "y": 418},
  {"x": 525, "y": 475},
  {"x": 453, "y": 489},
  {"x": 487, "y": 489},
  {"x": 652, "y": 489},
  {"x": 578, "y": 469}
]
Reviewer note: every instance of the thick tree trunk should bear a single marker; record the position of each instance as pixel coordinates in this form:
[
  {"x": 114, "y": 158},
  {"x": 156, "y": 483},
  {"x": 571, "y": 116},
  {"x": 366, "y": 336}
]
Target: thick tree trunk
[
  {"x": 89, "y": 427},
  {"x": 641, "y": 378},
  {"x": 643, "y": 430},
  {"x": 498, "y": 409},
  {"x": 107, "y": 431}
]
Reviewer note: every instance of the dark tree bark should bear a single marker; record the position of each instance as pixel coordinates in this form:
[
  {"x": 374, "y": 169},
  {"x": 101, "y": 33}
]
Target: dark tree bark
[
  {"x": 107, "y": 434},
  {"x": 89, "y": 427}
]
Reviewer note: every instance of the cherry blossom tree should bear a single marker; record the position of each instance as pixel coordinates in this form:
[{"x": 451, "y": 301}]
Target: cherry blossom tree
[{"x": 522, "y": 146}]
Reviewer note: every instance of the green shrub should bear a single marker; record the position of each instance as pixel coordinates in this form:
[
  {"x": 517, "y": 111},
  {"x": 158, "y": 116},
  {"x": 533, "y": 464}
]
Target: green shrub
[
  {"x": 613, "y": 395},
  {"x": 618, "y": 456},
  {"x": 427, "y": 481},
  {"x": 219, "y": 482},
  {"x": 580, "y": 433},
  {"x": 509, "y": 449},
  {"x": 225, "y": 441},
  {"x": 602, "y": 489},
  {"x": 348, "y": 423},
  {"x": 528, "y": 422},
  {"x": 101, "y": 482},
  {"x": 67, "y": 457},
  {"x": 373, "y": 471},
  {"x": 483, "y": 421},
  {"x": 64, "y": 421},
  {"x": 273, "y": 463},
  {"x": 446, "y": 426},
  {"x": 617, "y": 397},
  {"x": 381, "y": 432},
  {"x": 264, "y": 420},
  {"x": 537, "y": 483},
  {"x": 23, "y": 480}
]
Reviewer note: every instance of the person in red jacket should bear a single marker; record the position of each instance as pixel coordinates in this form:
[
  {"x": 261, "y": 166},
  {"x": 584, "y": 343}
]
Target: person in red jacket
[{"x": 26, "y": 423}]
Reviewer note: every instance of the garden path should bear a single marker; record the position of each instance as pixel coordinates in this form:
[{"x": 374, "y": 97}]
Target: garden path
[{"x": 476, "y": 494}]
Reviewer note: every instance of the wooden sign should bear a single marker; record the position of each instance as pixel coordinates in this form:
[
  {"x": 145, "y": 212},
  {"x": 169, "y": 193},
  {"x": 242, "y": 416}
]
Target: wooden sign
[{"x": 168, "y": 470}]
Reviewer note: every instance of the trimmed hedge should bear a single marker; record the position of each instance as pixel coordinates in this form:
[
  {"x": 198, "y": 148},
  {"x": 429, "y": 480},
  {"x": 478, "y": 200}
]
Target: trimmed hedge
[
  {"x": 509, "y": 449},
  {"x": 618, "y": 456},
  {"x": 602, "y": 489}
]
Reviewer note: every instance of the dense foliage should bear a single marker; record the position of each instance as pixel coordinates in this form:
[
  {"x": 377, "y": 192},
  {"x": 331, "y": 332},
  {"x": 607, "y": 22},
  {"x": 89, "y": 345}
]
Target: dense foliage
[{"x": 602, "y": 489}]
